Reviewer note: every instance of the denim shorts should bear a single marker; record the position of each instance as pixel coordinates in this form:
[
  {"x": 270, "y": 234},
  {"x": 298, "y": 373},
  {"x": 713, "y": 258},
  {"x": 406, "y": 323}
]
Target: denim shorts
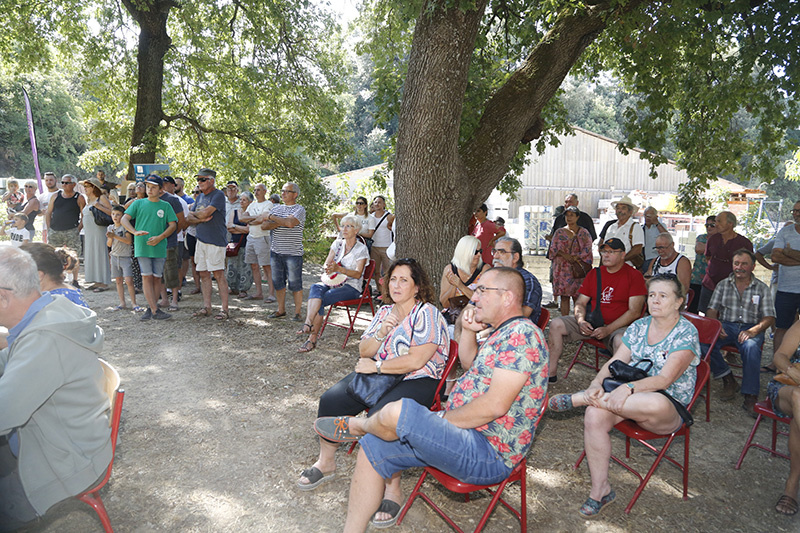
[
  {"x": 424, "y": 439},
  {"x": 786, "y": 305},
  {"x": 152, "y": 266},
  {"x": 330, "y": 295},
  {"x": 284, "y": 266}
]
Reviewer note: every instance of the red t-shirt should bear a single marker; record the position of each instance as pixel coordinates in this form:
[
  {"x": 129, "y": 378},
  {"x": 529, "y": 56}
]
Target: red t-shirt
[
  {"x": 616, "y": 289},
  {"x": 720, "y": 257},
  {"x": 485, "y": 232}
]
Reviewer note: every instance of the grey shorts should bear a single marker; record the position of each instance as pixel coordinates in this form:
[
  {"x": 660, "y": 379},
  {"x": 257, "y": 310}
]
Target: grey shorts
[
  {"x": 257, "y": 251},
  {"x": 574, "y": 332},
  {"x": 121, "y": 267}
]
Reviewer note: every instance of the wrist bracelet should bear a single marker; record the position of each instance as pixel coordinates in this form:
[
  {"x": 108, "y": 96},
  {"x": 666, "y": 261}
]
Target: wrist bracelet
[{"x": 379, "y": 339}]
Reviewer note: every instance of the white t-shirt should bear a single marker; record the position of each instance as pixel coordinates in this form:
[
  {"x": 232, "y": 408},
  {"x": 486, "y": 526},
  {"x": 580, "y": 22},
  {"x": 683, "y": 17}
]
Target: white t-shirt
[
  {"x": 44, "y": 199},
  {"x": 350, "y": 261},
  {"x": 382, "y": 237},
  {"x": 255, "y": 209},
  {"x": 624, "y": 234},
  {"x": 18, "y": 236}
]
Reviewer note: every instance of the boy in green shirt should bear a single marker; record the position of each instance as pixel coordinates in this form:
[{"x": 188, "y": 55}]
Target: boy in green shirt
[{"x": 155, "y": 221}]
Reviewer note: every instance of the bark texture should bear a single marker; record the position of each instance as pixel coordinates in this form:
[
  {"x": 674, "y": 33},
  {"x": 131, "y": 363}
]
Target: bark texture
[
  {"x": 154, "y": 42},
  {"x": 439, "y": 182}
]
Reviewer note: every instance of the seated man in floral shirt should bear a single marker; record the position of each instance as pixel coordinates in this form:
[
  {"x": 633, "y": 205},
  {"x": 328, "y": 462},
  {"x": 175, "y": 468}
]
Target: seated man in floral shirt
[{"x": 492, "y": 412}]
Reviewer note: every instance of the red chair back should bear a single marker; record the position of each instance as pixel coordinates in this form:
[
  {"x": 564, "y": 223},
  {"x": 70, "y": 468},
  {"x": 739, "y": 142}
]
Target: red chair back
[
  {"x": 544, "y": 318},
  {"x": 708, "y": 330},
  {"x": 451, "y": 363}
]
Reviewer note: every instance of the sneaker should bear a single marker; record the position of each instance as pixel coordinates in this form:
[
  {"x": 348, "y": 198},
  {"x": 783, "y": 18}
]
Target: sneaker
[
  {"x": 161, "y": 315},
  {"x": 147, "y": 315}
]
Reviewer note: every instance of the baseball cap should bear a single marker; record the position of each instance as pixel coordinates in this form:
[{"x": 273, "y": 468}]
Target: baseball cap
[
  {"x": 155, "y": 180},
  {"x": 231, "y": 183},
  {"x": 614, "y": 244},
  {"x": 206, "y": 172},
  {"x": 169, "y": 179}
]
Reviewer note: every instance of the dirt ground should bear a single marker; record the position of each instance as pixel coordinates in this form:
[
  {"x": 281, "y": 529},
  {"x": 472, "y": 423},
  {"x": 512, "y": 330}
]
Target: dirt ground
[{"x": 217, "y": 425}]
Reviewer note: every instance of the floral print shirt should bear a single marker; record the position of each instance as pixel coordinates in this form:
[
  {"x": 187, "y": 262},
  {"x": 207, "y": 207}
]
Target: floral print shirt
[
  {"x": 519, "y": 346},
  {"x": 423, "y": 325},
  {"x": 683, "y": 336}
]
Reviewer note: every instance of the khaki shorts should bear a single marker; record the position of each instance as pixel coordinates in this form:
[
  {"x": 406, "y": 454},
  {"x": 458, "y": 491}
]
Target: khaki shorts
[
  {"x": 171, "y": 279},
  {"x": 574, "y": 332},
  {"x": 209, "y": 258},
  {"x": 257, "y": 251}
]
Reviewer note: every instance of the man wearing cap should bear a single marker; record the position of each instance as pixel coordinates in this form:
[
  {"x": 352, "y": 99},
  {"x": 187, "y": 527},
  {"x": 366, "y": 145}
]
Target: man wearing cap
[
  {"x": 622, "y": 297},
  {"x": 626, "y": 230},
  {"x": 212, "y": 238},
  {"x": 64, "y": 218},
  {"x": 719, "y": 251},
  {"x": 286, "y": 223},
  {"x": 232, "y": 201},
  {"x": 155, "y": 221},
  {"x": 172, "y": 264},
  {"x": 257, "y": 252}
]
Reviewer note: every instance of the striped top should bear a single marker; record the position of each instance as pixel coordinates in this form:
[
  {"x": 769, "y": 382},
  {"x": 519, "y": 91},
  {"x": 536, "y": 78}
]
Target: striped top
[{"x": 288, "y": 241}]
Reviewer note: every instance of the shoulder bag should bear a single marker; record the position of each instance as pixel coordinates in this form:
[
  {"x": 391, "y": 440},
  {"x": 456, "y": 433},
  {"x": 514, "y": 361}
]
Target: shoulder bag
[
  {"x": 100, "y": 217},
  {"x": 593, "y": 314},
  {"x": 456, "y": 304},
  {"x": 370, "y": 388},
  {"x": 579, "y": 268},
  {"x": 637, "y": 260}
]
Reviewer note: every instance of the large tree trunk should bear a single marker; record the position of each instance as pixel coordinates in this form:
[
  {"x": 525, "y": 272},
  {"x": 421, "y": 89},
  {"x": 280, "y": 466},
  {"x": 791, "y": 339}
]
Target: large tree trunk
[
  {"x": 439, "y": 183},
  {"x": 151, "y": 16}
]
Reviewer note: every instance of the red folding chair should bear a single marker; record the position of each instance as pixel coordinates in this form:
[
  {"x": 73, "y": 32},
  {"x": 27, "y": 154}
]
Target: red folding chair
[
  {"x": 764, "y": 409},
  {"x": 598, "y": 345},
  {"x": 708, "y": 330},
  {"x": 544, "y": 318},
  {"x": 115, "y": 395},
  {"x": 519, "y": 473},
  {"x": 632, "y": 430},
  {"x": 366, "y": 297}
]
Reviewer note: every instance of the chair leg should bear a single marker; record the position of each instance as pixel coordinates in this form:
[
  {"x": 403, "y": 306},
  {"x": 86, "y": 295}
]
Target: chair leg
[
  {"x": 574, "y": 360},
  {"x": 650, "y": 473},
  {"x": 750, "y": 439},
  {"x": 325, "y": 322},
  {"x": 411, "y": 497},
  {"x": 93, "y": 500},
  {"x": 352, "y": 323}
]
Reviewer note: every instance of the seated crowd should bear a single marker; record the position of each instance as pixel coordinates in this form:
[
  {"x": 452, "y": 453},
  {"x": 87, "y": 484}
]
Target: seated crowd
[{"x": 631, "y": 305}]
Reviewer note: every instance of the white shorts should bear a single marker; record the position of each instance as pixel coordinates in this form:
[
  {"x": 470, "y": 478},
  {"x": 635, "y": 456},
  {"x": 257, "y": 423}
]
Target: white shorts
[
  {"x": 209, "y": 258},
  {"x": 257, "y": 251}
]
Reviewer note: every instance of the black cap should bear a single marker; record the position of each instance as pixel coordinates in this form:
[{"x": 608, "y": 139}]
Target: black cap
[
  {"x": 155, "y": 180},
  {"x": 614, "y": 244},
  {"x": 169, "y": 179},
  {"x": 231, "y": 183}
]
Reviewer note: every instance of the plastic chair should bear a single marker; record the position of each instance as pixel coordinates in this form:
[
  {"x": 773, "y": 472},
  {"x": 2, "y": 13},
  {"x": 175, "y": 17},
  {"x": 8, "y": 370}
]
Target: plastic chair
[
  {"x": 366, "y": 297},
  {"x": 708, "y": 330},
  {"x": 764, "y": 409},
  {"x": 544, "y": 318},
  {"x": 519, "y": 473},
  {"x": 632, "y": 430},
  {"x": 91, "y": 497}
]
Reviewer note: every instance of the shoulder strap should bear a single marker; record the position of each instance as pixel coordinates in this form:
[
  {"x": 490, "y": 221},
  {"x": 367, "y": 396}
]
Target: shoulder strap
[
  {"x": 630, "y": 235},
  {"x": 381, "y": 221},
  {"x": 473, "y": 277},
  {"x": 599, "y": 287}
]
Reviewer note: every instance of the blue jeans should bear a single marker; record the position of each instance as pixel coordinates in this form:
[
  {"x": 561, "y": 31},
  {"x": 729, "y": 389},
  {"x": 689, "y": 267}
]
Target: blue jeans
[
  {"x": 329, "y": 295},
  {"x": 287, "y": 266},
  {"x": 424, "y": 439},
  {"x": 750, "y": 351}
]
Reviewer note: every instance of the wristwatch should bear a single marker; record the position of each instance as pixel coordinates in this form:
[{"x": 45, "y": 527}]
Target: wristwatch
[
  {"x": 378, "y": 364},
  {"x": 630, "y": 385}
]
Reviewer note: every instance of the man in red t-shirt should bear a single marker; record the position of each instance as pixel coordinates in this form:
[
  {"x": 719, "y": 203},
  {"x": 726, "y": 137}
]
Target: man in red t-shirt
[
  {"x": 487, "y": 232},
  {"x": 622, "y": 298}
]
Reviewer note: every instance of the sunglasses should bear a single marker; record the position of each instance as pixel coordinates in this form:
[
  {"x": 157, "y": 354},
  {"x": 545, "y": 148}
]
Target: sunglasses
[
  {"x": 361, "y": 203},
  {"x": 711, "y": 225},
  {"x": 202, "y": 180},
  {"x": 67, "y": 183},
  {"x": 195, "y": 192}
]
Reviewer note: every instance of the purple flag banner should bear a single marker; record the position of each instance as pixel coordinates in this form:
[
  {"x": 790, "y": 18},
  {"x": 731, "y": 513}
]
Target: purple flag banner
[{"x": 32, "y": 134}]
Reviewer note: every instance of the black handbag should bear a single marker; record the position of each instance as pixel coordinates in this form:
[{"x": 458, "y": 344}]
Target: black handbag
[
  {"x": 593, "y": 314},
  {"x": 370, "y": 388},
  {"x": 622, "y": 373},
  {"x": 100, "y": 218}
]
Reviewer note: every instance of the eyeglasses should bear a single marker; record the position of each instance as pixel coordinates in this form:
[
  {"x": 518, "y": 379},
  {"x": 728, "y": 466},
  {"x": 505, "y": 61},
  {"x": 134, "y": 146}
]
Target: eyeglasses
[
  {"x": 662, "y": 247},
  {"x": 794, "y": 211},
  {"x": 7, "y": 289},
  {"x": 711, "y": 225},
  {"x": 349, "y": 226},
  {"x": 500, "y": 251},
  {"x": 288, "y": 191},
  {"x": 195, "y": 192},
  {"x": 30, "y": 186},
  {"x": 202, "y": 180},
  {"x": 67, "y": 183},
  {"x": 480, "y": 289}
]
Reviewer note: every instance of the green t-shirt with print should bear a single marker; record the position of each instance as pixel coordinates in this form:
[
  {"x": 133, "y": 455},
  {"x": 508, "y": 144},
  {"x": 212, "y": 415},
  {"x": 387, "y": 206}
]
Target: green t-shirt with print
[{"x": 152, "y": 217}]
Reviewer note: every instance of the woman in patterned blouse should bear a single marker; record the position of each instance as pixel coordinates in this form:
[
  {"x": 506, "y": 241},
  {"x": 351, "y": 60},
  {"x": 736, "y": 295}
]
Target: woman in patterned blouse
[{"x": 671, "y": 343}]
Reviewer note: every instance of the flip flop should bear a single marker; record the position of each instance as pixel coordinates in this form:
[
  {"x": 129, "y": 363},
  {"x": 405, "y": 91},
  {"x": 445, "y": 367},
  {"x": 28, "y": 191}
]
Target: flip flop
[
  {"x": 303, "y": 329},
  {"x": 387, "y": 506},
  {"x": 276, "y": 314},
  {"x": 222, "y": 315},
  {"x": 172, "y": 308},
  {"x": 100, "y": 289},
  {"x": 315, "y": 477},
  {"x": 270, "y": 300},
  {"x": 204, "y": 312},
  {"x": 335, "y": 429},
  {"x": 297, "y": 318},
  {"x": 789, "y": 503},
  {"x": 248, "y": 298},
  {"x": 592, "y": 508}
]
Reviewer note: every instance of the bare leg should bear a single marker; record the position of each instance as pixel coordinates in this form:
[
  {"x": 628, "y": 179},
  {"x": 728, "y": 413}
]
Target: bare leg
[
  {"x": 326, "y": 462},
  {"x": 222, "y": 285},
  {"x": 257, "y": 280},
  {"x": 392, "y": 491},
  {"x": 366, "y": 493},
  {"x": 281, "y": 296},
  {"x": 564, "y": 305},
  {"x": 789, "y": 402},
  {"x": 555, "y": 341},
  {"x": 268, "y": 274},
  {"x": 150, "y": 286},
  {"x": 597, "y": 424},
  {"x": 205, "y": 287},
  {"x": 164, "y": 296},
  {"x": 312, "y": 310},
  {"x": 121, "y": 292},
  {"x": 131, "y": 290},
  {"x": 298, "y": 302}
]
